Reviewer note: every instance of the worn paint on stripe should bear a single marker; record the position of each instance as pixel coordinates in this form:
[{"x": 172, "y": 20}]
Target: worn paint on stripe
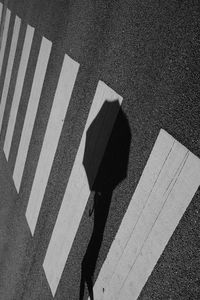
[
  {"x": 56, "y": 120},
  {"x": 167, "y": 185},
  {"x": 74, "y": 201},
  {"x": 18, "y": 89},
  {"x": 9, "y": 67},
  {"x": 29, "y": 121},
  {"x": 4, "y": 32},
  {"x": 163, "y": 229},
  {"x": 149, "y": 176}
]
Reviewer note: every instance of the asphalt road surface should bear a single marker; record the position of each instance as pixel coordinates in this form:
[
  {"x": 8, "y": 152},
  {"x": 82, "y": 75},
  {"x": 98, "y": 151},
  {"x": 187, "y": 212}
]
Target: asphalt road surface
[{"x": 99, "y": 150}]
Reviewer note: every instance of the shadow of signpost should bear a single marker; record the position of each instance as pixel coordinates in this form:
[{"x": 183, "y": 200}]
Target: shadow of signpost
[{"x": 105, "y": 161}]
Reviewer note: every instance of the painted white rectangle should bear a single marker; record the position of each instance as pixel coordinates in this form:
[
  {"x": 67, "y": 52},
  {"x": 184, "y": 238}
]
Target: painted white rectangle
[
  {"x": 168, "y": 163},
  {"x": 4, "y": 28},
  {"x": 56, "y": 120},
  {"x": 18, "y": 89},
  {"x": 74, "y": 201},
  {"x": 29, "y": 121},
  {"x": 156, "y": 161},
  {"x": 1, "y": 10},
  {"x": 9, "y": 67},
  {"x": 2, "y": 22},
  {"x": 175, "y": 206}
]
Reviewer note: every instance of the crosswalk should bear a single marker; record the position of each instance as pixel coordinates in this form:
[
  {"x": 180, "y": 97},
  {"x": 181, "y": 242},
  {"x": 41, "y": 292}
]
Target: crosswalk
[
  {"x": 4, "y": 36},
  {"x": 54, "y": 127},
  {"x": 1, "y": 12},
  {"x": 18, "y": 89},
  {"x": 37, "y": 84},
  {"x": 11, "y": 58},
  {"x": 74, "y": 201},
  {"x": 166, "y": 187},
  {"x": 1, "y": 22}
]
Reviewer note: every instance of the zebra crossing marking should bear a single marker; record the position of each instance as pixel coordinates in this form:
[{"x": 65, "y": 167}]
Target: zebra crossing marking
[
  {"x": 36, "y": 89},
  {"x": 60, "y": 105},
  {"x": 74, "y": 201},
  {"x": 9, "y": 67},
  {"x": 163, "y": 228},
  {"x": 167, "y": 185},
  {"x": 154, "y": 211},
  {"x": 4, "y": 29},
  {"x": 1, "y": 12},
  {"x": 18, "y": 89}
]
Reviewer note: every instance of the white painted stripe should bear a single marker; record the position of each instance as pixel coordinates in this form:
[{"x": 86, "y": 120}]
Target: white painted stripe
[
  {"x": 149, "y": 177},
  {"x": 9, "y": 67},
  {"x": 1, "y": 11},
  {"x": 29, "y": 121},
  {"x": 18, "y": 89},
  {"x": 4, "y": 28},
  {"x": 174, "y": 208},
  {"x": 56, "y": 120},
  {"x": 162, "y": 184},
  {"x": 2, "y": 21},
  {"x": 74, "y": 201}
]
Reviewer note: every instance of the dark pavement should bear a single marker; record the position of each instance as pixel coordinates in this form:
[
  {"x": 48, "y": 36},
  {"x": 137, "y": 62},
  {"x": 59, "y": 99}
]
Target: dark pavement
[{"x": 149, "y": 53}]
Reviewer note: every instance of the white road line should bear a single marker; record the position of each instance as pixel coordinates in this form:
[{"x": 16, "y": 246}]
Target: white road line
[
  {"x": 2, "y": 21},
  {"x": 148, "y": 179},
  {"x": 18, "y": 89},
  {"x": 74, "y": 201},
  {"x": 29, "y": 121},
  {"x": 4, "y": 28},
  {"x": 56, "y": 120},
  {"x": 166, "y": 187},
  {"x": 9, "y": 67},
  {"x": 1, "y": 11},
  {"x": 174, "y": 208}
]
